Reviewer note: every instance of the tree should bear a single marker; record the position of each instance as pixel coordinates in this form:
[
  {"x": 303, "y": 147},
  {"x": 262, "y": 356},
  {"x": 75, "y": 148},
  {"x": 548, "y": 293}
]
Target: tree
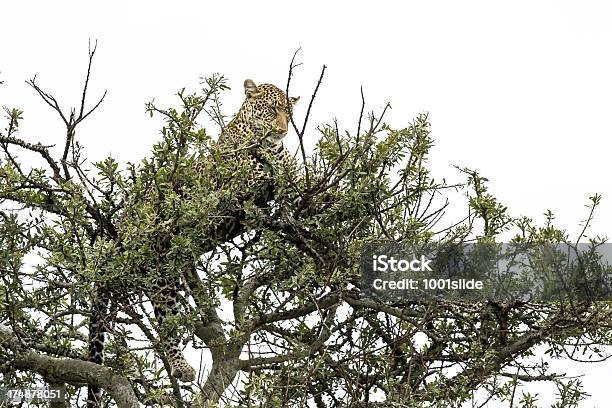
[{"x": 300, "y": 332}]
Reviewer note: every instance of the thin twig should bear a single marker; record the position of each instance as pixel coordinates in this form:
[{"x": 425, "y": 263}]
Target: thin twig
[
  {"x": 360, "y": 116},
  {"x": 73, "y": 119}
]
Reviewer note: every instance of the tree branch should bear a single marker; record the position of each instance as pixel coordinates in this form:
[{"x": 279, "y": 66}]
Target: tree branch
[{"x": 71, "y": 371}]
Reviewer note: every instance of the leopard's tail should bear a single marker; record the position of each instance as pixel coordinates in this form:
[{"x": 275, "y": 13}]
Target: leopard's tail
[{"x": 97, "y": 330}]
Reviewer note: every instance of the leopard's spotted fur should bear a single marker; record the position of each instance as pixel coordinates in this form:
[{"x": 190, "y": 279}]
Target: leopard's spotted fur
[{"x": 255, "y": 133}]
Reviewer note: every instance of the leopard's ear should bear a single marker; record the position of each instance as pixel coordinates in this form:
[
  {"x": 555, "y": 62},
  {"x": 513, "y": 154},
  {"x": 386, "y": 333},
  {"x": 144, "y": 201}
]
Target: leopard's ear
[
  {"x": 293, "y": 100},
  {"x": 250, "y": 89}
]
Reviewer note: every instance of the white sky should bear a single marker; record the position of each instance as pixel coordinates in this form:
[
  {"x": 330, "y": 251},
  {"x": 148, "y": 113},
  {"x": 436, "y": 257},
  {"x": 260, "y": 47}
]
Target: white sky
[{"x": 521, "y": 90}]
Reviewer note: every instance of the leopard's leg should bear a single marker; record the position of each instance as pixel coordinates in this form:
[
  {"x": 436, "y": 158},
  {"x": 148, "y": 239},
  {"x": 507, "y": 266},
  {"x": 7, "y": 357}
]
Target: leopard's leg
[{"x": 164, "y": 297}]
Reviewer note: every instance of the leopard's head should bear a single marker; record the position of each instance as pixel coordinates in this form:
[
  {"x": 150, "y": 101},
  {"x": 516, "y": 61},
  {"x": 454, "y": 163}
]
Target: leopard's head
[{"x": 266, "y": 110}]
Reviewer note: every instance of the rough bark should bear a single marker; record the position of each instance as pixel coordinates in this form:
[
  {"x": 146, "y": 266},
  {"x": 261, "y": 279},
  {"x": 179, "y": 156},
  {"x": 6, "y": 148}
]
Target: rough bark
[{"x": 69, "y": 370}]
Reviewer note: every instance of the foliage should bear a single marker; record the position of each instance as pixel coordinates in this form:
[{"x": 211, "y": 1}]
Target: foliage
[{"x": 300, "y": 330}]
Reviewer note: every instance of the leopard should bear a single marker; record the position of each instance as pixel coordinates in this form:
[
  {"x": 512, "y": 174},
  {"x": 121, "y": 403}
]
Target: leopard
[
  {"x": 266, "y": 110},
  {"x": 255, "y": 133},
  {"x": 259, "y": 128}
]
